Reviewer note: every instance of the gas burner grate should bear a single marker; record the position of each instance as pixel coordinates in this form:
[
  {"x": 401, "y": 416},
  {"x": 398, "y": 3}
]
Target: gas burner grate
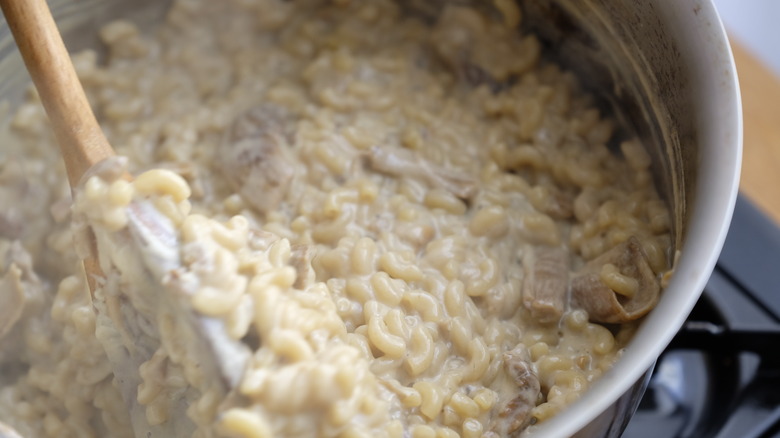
[{"x": 720, "y": 376}]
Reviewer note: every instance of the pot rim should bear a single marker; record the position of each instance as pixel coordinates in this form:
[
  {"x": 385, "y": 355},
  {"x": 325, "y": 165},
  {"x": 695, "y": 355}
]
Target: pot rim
[
  {"x": 716, "y": 192},
  {"x": 698, "y": 29}
]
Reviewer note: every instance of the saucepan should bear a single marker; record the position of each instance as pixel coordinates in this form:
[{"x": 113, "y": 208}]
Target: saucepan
[
  {"x": 667, "y": 70},
  {"x": 664, "y": 68}
]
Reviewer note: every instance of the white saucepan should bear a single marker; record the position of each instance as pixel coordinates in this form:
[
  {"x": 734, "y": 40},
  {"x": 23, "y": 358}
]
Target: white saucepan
[{"x": 665, "y": 67}]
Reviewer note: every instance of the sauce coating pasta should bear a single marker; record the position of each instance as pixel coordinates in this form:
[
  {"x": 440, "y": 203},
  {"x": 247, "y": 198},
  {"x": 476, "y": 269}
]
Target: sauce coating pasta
[{"x": 413, "y": 227}]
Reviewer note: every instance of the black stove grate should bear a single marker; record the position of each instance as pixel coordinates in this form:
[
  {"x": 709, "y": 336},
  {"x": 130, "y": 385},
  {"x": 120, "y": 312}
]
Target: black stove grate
[{"x": 720, "y": 376}]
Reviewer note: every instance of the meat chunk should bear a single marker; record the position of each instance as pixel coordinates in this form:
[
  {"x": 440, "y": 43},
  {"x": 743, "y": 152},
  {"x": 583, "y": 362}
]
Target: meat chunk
[
  {"x": 461, "y": 31},
  {"x": 10, "y": 226},
  {"x": 143, "y": 303},
  {"x": 514, "y": 415},
  {"x": 300, "y": 259},
  {"x": 554, "y": 202},
  {"x": 618, "y": 286},
  {"x": 405, "y": 163},
  {"x": 255, "y": 156},
  {"x": 546, "y": 282},
  {"x": 11, "y": 299}
]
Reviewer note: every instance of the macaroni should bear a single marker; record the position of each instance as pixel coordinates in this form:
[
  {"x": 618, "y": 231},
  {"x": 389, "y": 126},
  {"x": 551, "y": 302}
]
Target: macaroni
[{"x": 411, "y": 226}]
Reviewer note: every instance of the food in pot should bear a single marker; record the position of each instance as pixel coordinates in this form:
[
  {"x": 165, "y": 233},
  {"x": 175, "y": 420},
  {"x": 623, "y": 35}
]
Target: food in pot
[{"x": 382, "y": 223}]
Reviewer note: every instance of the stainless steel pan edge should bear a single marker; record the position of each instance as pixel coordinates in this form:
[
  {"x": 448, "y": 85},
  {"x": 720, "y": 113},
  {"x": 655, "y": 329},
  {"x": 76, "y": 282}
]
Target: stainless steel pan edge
[{"x": 669, "y": 67}]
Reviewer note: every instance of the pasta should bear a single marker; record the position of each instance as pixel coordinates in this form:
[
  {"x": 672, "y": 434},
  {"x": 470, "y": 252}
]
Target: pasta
[{"x": 412, "y": 227}]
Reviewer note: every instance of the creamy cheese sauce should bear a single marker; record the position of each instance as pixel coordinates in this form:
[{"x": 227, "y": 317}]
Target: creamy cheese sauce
[{"x": 381, "y": 223}]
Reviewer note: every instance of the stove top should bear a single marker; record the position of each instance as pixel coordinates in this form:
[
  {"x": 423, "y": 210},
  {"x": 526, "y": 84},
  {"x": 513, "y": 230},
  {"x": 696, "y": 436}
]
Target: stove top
[{"x": 720, "y": 376}]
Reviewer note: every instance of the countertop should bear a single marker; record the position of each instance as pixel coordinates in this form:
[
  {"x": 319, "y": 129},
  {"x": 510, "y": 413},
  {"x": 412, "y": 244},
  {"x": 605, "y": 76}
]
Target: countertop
[{"x": 761, "y": 112}]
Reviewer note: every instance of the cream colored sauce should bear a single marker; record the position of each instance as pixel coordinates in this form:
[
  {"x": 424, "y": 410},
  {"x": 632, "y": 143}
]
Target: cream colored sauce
[{"x": 350, "y": 204}]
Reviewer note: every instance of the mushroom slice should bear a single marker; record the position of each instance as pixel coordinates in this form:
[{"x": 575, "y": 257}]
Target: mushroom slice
[
  {"x": 300, "y": 259},
  {"x": 618, "y": 286},
  {"x": 546, "y": 282},
  {"x": 514, "y": 415},
  {"x": 405, "y": 163}
]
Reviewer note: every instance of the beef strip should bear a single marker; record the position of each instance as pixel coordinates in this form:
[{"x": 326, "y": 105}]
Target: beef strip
[
  {"x": 601, "y": 302},
  {"x": 10, "y": 226},
  {"x": 558, "y": 204},
  {"x": 255, "y": 156},
  {"x": 546, "y": 282},
  {"x": 16, "y": 274},
  {"x": 11, "y": 299},
  {"x": 142, "y": 304},
  {"x": 399, "y": 162},
  {"x": 514, "y": 415},
  {"x": 474, "y": 75},
  {"x": 300, "y": 259}
]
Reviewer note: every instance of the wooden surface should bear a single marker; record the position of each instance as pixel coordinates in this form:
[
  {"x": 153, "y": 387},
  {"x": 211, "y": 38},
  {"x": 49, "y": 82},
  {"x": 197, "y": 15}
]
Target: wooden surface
[{"x": 761, "y": 111}]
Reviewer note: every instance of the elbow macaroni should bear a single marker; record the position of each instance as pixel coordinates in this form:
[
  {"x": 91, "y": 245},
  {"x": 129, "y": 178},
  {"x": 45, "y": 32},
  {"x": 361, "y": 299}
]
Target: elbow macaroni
[{"x": 397, "y": 322}]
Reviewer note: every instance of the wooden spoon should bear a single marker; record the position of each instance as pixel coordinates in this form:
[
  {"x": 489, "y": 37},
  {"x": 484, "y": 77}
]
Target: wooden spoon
[
  {"x": 81, "y": 140},
  {"x": 83, "y": 146}
]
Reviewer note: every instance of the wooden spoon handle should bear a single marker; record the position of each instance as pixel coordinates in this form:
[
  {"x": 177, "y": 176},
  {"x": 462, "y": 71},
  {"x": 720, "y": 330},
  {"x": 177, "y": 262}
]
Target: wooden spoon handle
[{"x": 80, "y": 138}]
